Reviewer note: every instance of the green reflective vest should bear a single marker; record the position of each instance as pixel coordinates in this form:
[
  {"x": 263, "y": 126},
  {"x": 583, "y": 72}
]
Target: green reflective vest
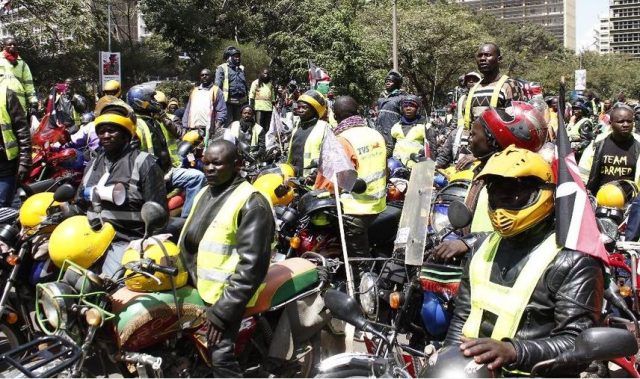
[
  {"x": 412, "y": 142},
  {"x": 217, "y": 255},
  {"x": 264, "y": 96},
  {"x": 312, "y": 146},
  {"x": 481, "y": 221},
  {"x": 8, "y": 137},
  {"x": 508, "y": 304},
  {"x": 370, "y": 149},
  {"x": 23, "y": 74},
  {"x": 255, "y": 133},
  {"x": 146, "y": 140}
]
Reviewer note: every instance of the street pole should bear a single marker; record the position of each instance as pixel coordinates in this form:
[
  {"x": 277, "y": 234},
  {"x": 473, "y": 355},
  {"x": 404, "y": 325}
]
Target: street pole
[
  {"x": 109, "y": 23},
  {"x": 433, "y": 96},
  {"x": 395, "y": 36}
]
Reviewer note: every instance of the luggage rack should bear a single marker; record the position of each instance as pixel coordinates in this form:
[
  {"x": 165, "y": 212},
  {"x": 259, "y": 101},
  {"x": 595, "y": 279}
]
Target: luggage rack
[
  {"x": 8, "y": 215},
  {"x": 44, "y": 357}
]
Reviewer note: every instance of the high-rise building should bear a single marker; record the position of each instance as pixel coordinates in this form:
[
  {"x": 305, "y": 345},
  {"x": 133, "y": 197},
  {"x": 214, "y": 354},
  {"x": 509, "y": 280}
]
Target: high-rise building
[
  {"x": 602, "y": 35},
  {"x": 556, "y": 16},
  {"x": 625, "y": 26}
]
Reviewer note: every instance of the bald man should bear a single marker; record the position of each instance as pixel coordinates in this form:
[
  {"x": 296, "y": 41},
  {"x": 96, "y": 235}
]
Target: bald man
[
  {"x": 366, "y": 149},
  {"x": 614, "y": 155},
  {"x": 229, "y": 219},
  {"x": 206, "y": 110}
]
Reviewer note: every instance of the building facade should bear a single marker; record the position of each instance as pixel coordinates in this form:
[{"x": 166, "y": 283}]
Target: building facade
[
  {"x": 556, "y": 16},
  {"x": 625, "y": 27},
  {"x": 602, "y": 35}
]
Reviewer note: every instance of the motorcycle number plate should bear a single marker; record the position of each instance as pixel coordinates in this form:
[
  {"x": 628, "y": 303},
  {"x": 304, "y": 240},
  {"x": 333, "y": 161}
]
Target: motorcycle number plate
[{"x": 414, "y": 221}]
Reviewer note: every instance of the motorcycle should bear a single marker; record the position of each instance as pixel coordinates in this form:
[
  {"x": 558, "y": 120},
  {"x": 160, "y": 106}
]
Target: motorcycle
[{"x": 89, "y": 317}]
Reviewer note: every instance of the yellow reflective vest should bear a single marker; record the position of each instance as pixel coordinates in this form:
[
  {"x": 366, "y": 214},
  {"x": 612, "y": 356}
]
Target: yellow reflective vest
[
  {"x": 146, "y": 140},
  {"x": 255, "y": 132},
  {"x": 412, "y": 142},
  {"x": 217, "y": 255},
  {"x": 493, "y": 102},
  {"x": 312, "y": 146},
  {"x": 23, "y": 74},
  {"x": 225, "y": 82},
  {"x": 508, "y": 304},
  {"x": 8, "y": 137},
  {"x": 264, "y": 96},
  {"x": 370, "y": 150}
]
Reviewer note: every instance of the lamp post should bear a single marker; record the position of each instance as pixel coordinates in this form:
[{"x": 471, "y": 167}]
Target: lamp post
[
  {"x": 109, "y": 23},
  {"x": 395, "y": 36}
]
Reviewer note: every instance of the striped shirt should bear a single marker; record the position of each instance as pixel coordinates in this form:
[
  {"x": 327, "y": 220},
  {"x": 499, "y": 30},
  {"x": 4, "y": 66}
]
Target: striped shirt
[{"x": 510, "y": 91}]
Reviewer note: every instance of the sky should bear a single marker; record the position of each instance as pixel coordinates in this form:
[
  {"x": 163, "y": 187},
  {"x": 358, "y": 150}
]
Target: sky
[{"x": 587, "y": 17}]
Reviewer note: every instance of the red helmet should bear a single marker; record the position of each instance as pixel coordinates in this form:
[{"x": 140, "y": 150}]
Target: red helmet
[{"x": 520, "y": 124}]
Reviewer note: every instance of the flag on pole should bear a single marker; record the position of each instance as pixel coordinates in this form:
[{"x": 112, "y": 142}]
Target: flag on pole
[
  {"x": 576, "y": 226},
  {"x": 334, "y": 161},
  {"x": 317, "y": 74}
]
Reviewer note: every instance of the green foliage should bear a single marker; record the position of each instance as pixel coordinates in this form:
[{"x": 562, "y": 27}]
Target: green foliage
[{"x": 179, "y": 89}]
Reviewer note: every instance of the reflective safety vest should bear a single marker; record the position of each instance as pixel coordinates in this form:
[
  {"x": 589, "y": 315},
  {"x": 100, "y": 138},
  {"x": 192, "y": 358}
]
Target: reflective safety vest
[
  {"x": 495, "y": 96},
  {"x": 371, "y": 151},
  {"x": 255, "y": 133},
  {"x": 217, "y": 255},
  {"x": 225, "y": 82},
  {"x": 508, "y": 304},
  {"x": 263, "y": 96},
  {"x": 172, "y": 145},
  {"x": 8, "y": 137},
  {"x": 405, "y": 145},
  {"x": 574, "y": 130},
  {"x": 21, "y": 72},
  {"x": 312, "y": 146},
  {"x": 481, "y": 221},
  {"x": 144, "y": 135}
]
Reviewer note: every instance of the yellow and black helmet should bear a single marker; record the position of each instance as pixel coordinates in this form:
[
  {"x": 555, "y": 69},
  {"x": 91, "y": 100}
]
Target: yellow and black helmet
[
  {"x": 316, "y": 100},
  {"x": 112, "y": 110},
  {"x": 112, "y": 88},
  {"x": 520, "y": 185},
  {"x": 617, "y": 194}
]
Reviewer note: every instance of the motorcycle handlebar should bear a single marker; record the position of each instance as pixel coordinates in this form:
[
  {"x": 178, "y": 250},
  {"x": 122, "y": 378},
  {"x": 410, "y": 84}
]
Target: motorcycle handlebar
[{"x": 173, "y": 271}]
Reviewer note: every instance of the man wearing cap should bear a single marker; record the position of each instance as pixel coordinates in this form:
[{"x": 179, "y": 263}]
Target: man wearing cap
[
  {"x": 206, "y": 109},
  {"x": 494, "y": 90},
  {"x": 389, "y": 107},
  {"x": 308, "y": 133},
  {"x": 120, "y": 163},
  {"x": 411, "y": 132},
  {"x": 230, "y": 78}
]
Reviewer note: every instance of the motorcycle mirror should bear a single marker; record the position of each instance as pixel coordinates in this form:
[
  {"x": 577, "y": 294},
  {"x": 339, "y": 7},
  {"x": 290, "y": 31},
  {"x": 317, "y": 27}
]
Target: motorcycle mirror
[
  {"x": 345, "y": 308},
  {"x": 184, "y": 148},
  {"x": 602, "y": 344},
  {"x": 64, "y": 193},
  {"x": 154, "y": 216},
  {"x": 459, "y": 214}
]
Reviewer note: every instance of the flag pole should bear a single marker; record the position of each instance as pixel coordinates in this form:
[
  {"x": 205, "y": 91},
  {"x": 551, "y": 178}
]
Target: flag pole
[{"x": 349, "y": 329}]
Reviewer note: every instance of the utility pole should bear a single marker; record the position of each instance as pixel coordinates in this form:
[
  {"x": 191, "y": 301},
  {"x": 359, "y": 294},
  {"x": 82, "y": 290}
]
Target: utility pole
[
  {"x": 395, "y": 36},
  {"x": 109, "y": 23}
]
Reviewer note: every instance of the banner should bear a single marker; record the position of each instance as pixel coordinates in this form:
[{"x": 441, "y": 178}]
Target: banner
[
  {"x": 581, "y": 80},
  {"x": 109, "y": 67}
]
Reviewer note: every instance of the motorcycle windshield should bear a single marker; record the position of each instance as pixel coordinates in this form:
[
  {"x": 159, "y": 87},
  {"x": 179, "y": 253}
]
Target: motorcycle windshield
[{"x": 414, "y": 221}]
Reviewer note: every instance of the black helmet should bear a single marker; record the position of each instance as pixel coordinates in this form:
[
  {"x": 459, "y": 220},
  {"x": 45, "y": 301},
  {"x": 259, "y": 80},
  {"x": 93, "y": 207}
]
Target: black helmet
[
  {"x": 230, "y": 51},
  {"x": 450, "y": 362},
  {"x": 394, "y": 76}
]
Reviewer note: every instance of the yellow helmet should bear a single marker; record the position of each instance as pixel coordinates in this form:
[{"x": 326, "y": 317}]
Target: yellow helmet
[
  {"x": 112, "y": 87},
  {"x": 534, "y": 178},
  {"x": 272, "y": 186},
  {"x": 161, "y": 98},
  {"x": 316, "y": 100},
  {"x": 192, "y": 137},
  {"x": 34, "y": 209},
  {"x": 617, "y": 194},
  {"x": 139, "y": 283},
  {"x": 75, "y": 240}
]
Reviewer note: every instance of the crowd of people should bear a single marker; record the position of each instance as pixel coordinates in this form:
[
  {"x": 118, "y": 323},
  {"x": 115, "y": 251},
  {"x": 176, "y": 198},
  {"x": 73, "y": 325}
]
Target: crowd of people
[{"x": 522, "y": 298}]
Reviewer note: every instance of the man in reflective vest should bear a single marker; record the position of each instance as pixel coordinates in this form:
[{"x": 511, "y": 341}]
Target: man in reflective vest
[
  {"x": 580, "y": 129},
  {"x": 248, "y": 131},
  {"x": 11, "y": 63},
  {"x": 230, "y": 78},
  {"x": 262, "y": 97},
  {"x": 226, "y": 244},
  {"x": 308, "y": 133},
  {"x": 389, "y": 106},
  {"x": 410, "y": 134},
  {"x": 494, "y": 90},
  {"x": 366, "y": 149},
  {"x": 523, "y": 299},
  {"x": 118, "y": 162},
  {"x": 206, "y": 110},
  {"x": 15, "y": 154}
]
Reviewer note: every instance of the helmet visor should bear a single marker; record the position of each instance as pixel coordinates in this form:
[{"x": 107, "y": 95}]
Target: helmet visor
[{"x": 514, "y": 193}]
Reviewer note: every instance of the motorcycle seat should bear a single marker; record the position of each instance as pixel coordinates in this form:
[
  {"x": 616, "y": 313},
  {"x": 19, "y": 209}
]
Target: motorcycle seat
[
  {"x": 284, "y": 280},
  {"x": 385, "y": 226}
]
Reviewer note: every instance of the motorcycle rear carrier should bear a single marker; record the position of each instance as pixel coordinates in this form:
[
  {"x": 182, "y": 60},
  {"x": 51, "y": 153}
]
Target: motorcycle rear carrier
[
  {"x": 44, "y": 357},
  {"x": 8, "y": 215}
]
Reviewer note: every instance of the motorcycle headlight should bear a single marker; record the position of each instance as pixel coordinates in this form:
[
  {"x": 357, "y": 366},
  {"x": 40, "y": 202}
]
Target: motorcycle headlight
[
  {"x": 368, "y": 294},
  {"x": 440, "y": 217},
  {"x": 55, "y": 301}
]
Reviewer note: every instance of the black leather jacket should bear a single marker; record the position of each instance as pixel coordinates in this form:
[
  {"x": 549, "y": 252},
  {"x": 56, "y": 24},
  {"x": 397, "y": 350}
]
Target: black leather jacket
[
  {"x": 256, "y": 228},
  {"x": 566, "y": 300}
]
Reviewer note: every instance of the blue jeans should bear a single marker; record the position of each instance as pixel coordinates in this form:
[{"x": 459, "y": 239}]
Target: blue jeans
[
  {"x": 191, "y": 180},
  {"x": 633, "y": 223},
  {"x": 7, "y": 190}
]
